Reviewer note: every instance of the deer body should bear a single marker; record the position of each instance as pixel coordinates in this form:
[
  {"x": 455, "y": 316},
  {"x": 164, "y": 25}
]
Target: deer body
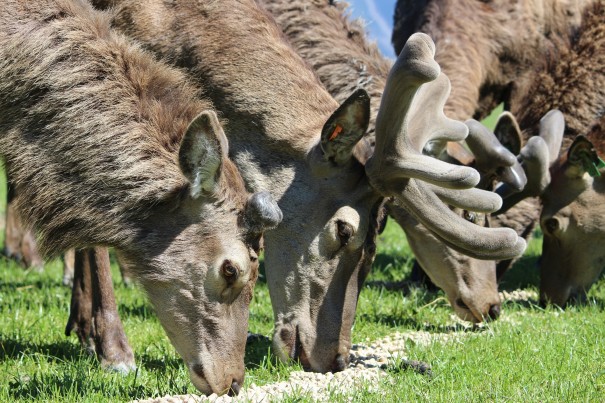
[
  {"x": 573, "y": 205},
  {"x": 489, "y": 49}
]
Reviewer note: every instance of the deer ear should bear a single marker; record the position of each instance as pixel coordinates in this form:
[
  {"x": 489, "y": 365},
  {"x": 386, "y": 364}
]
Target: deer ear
[
  {"x": 201, "y": 153},
  {"x": 508, "y": 133},
  {"x": 346, "y": 127},
  {"x": 583, "y": 158}
]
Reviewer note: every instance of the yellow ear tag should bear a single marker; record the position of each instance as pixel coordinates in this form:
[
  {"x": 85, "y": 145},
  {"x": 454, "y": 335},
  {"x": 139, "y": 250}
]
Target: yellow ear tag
[{"x": 336, "y": 132}]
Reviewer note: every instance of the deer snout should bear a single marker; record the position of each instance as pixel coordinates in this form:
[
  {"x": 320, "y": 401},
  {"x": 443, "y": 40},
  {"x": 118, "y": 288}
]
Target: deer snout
[
  {"x": 494, "y": 311},
  {"x": 198, "y": 378},
  {"x": 340, "y": 362},
  {"x": 235, "y": 388},
  {"x": 207, "y": 383}
]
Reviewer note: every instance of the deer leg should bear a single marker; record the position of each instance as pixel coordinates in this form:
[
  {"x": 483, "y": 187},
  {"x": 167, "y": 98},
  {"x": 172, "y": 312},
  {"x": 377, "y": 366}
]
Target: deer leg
[
  {"x": 108, "y": 333},
  {"x": 80, "y": 313},
  {"x": 126, "y": 278},
  {"x": 419, "y": 276},
  {"x": 68, "y": 267},
  {"x": 19, "y": 243}
]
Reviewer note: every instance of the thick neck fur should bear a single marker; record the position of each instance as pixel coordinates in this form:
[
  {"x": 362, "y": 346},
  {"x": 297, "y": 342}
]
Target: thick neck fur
[
  {"x": 484, "y": 47},
  {"x": 252, "y": 75},
  {"x": 573, "y": 81},
  {"x": 91, "y": 125},
  {"x": 336, "y": 47}
]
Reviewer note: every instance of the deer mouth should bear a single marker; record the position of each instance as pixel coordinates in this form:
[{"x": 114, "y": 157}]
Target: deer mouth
[{"x": 299, "y": 354}]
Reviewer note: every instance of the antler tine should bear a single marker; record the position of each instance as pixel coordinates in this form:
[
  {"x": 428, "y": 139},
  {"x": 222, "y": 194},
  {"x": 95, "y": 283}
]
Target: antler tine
[
  {"x": 492, "y": 159},
  {"x": 552, "y": 128},
  {"x": 410, "y": 116},
  {"x": 536, "y": 158},
  {"x": 470, "y": 239},
  {"x": 403, "y": 123},
  {"x": 535, "y": 161}
]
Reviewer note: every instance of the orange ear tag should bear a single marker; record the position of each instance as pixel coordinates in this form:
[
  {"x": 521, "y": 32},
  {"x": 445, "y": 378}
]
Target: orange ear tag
[{"x": 336, "y": 132}]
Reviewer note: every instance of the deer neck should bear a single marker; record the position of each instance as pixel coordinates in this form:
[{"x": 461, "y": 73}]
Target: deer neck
[{"x": 273, "y": 104}]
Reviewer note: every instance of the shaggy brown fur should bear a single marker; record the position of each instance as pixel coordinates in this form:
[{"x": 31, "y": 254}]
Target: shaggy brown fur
[
  {"x": 573, "y": 81},
  {"x": 106, "y": 146},
  {"x": 486, "y": 47},
  {"x": 120, "y": 116}
]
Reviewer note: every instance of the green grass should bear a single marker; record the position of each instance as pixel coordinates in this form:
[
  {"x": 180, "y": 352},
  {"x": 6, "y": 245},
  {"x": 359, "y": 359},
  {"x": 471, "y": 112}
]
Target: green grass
[{"x": 530, "y": 354}]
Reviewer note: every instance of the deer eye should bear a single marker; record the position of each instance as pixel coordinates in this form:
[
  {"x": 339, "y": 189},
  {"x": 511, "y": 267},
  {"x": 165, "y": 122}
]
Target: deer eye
[
  {"x": 470, "y": 216},
  {"x": 229, "y": 271},
  {"x": 345, "y": 232},
  {"x": 550, "y": 225}
]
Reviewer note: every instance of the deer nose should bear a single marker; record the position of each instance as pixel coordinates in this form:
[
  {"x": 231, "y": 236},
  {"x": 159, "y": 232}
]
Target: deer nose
[
  {"x": 494, "y": 311},
  {"x": 340, "y": 363},
  {"x": 234, "y": 389}
]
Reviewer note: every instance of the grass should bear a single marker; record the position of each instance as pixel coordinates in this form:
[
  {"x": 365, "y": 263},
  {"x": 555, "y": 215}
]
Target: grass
[{"x": 530, "y": 354}]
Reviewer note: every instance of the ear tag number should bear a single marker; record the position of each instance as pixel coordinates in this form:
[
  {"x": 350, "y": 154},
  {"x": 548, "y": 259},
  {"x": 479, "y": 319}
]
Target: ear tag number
[{"x": 336, "y": 132}]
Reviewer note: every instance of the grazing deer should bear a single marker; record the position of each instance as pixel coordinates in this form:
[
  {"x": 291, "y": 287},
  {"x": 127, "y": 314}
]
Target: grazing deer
[
  {"x": 568, "y": 180},
  {"x": 288, "y": 135},
  {"x": 491, "y": 51},
  {"x": 106, "y": 146},
  {"x": 344, "y": 60}
]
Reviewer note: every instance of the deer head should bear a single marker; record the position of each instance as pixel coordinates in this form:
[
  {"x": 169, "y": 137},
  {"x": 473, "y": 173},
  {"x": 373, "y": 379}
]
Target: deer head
[
  {"x": 572, "y": 222},
  {"x": 196, "y": 257},
  {"x": 470, "y": 284}
]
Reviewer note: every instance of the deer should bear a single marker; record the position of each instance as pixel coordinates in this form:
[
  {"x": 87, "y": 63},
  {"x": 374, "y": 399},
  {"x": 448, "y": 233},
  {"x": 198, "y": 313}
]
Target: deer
[
  {"x": 512, "y": 57},
  {"x": 106, "y": 146},
  {"x": 491, "y": 50},
  {"x": 290, "y": 136},
  {"x": 339, "y": 52},
  {"x": 562, "y": 159}
]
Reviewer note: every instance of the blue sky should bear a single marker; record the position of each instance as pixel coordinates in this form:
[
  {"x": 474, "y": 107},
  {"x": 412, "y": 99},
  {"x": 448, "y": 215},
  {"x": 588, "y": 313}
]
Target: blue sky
[{"x": 378, "y": 15}]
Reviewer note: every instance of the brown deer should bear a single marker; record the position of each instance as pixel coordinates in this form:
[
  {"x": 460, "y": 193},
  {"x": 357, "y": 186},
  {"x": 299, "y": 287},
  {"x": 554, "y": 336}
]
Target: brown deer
[
  {"x": 491, "y": 51},
  {"x": 570, "y": 185},
  {"x": 106, "y": 146},
  {"x": 344, "y": 60},
  {"x": 288, "y": 135}
]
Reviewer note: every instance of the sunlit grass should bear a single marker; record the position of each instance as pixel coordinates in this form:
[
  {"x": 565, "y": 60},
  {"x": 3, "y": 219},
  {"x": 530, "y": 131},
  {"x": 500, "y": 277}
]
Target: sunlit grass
[{"x": 530, "y": 354}]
